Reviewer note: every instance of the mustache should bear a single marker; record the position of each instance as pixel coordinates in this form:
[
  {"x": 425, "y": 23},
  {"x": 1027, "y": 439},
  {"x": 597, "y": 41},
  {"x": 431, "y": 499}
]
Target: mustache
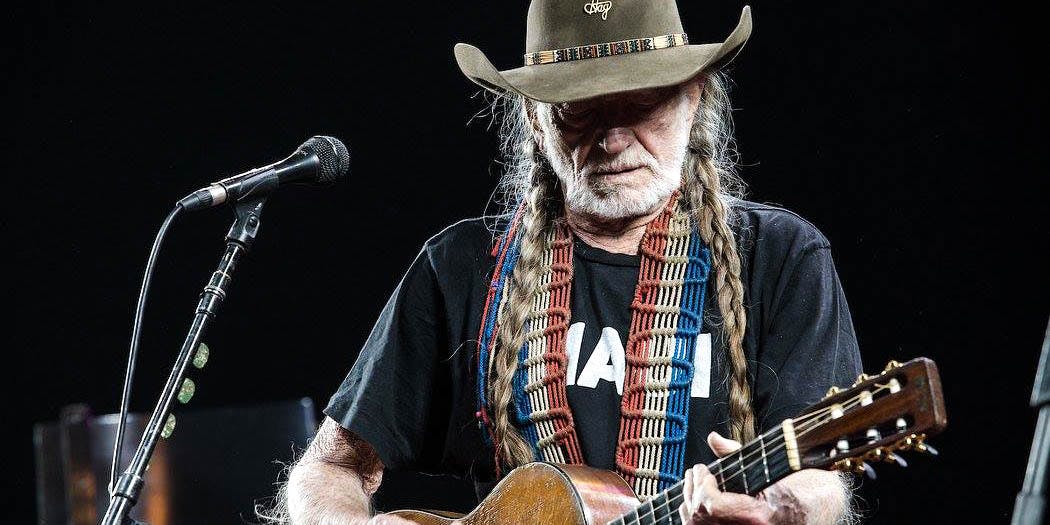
[{"x": 624, "y": 162}]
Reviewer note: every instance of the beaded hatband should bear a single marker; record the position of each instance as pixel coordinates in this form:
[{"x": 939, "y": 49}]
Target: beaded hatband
[
  {"x": 607, "y": 49},
  {"x": 666, "y": 316}
]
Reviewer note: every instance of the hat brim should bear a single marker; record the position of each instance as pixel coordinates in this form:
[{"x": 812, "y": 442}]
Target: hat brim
[{"x": 593, "y": 77}]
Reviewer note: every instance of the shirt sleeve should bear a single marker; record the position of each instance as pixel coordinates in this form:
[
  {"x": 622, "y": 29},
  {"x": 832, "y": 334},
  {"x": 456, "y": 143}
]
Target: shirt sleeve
[
  {"x": 808, "y": 344},
  {"x": 395, "y": 396}
]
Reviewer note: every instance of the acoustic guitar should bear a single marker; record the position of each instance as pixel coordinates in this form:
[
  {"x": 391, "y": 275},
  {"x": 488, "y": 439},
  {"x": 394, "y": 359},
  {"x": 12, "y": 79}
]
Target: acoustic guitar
[{"x": 871, "y": 421}]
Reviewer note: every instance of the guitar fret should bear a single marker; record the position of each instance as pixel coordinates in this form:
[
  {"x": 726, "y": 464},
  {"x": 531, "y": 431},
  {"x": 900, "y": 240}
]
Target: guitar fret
[
  {"x": 671, "y": 510},
  {"x": 645, "y": 509},
  {"x": 743, "y": 476},
  {"x": 762, "y": 444}
]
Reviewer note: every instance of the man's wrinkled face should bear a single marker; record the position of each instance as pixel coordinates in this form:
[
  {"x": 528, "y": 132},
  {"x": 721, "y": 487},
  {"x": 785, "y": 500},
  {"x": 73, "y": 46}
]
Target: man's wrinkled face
[{"x": 618, "y": 156}]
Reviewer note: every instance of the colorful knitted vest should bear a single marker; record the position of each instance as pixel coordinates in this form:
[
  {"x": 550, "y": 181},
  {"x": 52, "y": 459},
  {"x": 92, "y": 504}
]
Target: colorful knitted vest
[{"x": 666, "y": 316}]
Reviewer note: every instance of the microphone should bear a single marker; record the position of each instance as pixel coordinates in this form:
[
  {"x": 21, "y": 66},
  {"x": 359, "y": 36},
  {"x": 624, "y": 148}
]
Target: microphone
[{"x": 319, "y": 161}]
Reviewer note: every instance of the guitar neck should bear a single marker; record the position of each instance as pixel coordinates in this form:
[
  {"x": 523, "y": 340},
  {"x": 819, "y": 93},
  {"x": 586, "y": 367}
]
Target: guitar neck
[
  {"x": 757, "y": 465},
  {"x": 871, "y": 420}
]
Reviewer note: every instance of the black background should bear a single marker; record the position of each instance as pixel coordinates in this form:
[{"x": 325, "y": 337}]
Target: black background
[{"x": 906, "y": 131}]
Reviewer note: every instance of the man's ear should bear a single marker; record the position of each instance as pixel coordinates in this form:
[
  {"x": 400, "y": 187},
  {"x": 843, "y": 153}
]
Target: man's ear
[{"x": 699, "y": 81}]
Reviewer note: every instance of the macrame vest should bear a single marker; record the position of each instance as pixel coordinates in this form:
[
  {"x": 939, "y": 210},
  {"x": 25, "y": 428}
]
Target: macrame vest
[{"x": 666, "y": 316}]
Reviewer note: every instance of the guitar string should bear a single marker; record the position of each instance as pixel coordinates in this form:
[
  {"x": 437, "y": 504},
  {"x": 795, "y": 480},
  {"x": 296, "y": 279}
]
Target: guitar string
[
  {"x": 802, "y": 422},
  {"x": 768, "y": 434},
  {"x": 668, "y": 507},
  {"x": 812, "y": 424},
  {"x": 808, "y": 422},
  {"x": 668, "y": 503}
]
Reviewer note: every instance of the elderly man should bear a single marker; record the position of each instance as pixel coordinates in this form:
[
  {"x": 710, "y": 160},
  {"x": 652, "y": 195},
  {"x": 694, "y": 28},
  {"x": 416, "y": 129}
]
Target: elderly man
[{"x": 624, "y": 269}]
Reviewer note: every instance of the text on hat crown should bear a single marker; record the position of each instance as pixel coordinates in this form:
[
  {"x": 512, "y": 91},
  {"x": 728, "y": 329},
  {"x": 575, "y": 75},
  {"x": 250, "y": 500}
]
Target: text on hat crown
[{"x": 596, "y": 7}]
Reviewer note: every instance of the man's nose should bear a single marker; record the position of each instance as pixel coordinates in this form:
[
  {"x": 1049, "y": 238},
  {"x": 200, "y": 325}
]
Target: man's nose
[{"x": 615, "y": 140}]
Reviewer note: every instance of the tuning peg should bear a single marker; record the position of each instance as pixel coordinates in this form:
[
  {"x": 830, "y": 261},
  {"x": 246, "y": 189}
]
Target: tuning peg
[
  {"x": 912, "y": 441},
  {"x": 832, "y": 391},
  {"x": 885, "y": 454},
  {"x": 923, "y": 447},
  {"x": 890, "y": 366},
  {"x": 847, "y": 465},
  {"x": 868, "y": 471},
  {"x": 901, "y": 425},
  {"x": 916, "y": 442},
  {"x": 894, "y": 458},
  {"x": 907, "y": 443},
  {"x": 855, "y": 466},
  {"x": 895, "y": 386},
  {"x": 873, "y": 435},
  {"x": 861, "y": 378}
]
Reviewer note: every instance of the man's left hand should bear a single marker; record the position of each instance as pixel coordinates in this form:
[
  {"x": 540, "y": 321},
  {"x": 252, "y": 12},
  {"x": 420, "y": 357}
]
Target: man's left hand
[{"x": 704, "y": 503}]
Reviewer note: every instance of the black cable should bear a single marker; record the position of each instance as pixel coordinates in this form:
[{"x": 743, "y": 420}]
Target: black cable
[{"x": 136, "y": 332}]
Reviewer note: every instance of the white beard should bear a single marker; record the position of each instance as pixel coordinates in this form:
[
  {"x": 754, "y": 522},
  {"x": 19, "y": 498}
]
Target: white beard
[
  {"x": 588, "y": 196},
  {"x": 618, "y": 201}
]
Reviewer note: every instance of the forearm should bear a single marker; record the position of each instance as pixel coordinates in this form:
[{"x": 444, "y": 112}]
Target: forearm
[
  {"x": 323, "y": 494},
  {"x": 818, "y": 497}
]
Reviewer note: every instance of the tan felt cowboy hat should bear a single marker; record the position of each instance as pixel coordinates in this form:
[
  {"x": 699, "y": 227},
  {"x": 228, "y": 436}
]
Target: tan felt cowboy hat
[{"x": 579, "y": 49}]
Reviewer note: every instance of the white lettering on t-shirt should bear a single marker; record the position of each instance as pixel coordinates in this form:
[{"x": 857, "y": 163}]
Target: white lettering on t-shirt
[
  {"x": 573, "y": 341},
  {"x": 701, "y": 386},
  {"x": 607, "y": 361}
]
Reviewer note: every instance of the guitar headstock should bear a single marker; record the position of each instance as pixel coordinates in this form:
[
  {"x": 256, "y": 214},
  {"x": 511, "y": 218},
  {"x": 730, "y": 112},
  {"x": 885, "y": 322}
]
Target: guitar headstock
[{"x": 873, "y": 419}]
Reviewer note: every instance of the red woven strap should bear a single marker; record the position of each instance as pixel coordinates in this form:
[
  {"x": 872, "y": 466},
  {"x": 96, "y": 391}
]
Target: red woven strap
[{"x": 654, "y": 242}]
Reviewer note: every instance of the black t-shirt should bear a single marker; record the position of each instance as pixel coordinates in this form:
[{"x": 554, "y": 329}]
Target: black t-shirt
[{"x": 412, "y": 391}]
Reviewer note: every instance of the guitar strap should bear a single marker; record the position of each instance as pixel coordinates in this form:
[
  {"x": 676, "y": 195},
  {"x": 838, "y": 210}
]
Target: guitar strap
[{"x": 666, "y": 317}]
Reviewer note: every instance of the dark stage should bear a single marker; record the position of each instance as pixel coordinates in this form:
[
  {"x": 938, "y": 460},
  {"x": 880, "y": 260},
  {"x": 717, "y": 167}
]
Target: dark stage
[{"x": 909, "y": 133}]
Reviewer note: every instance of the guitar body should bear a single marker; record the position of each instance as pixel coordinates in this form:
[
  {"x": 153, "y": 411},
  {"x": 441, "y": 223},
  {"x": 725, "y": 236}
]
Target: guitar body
[{"x": 544, "y": 493}]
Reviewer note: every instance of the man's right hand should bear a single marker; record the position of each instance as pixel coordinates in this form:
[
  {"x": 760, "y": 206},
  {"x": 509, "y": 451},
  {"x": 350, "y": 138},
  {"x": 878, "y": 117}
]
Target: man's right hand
[{"x": 333, "y": 482}]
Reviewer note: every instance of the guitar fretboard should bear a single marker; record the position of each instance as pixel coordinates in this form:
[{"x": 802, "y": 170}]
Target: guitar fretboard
[{"x": 749, "y": 470}]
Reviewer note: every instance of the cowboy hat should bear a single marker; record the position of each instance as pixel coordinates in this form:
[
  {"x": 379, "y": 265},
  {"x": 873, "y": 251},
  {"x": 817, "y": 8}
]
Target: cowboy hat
[{"x": 579, "y": 49}]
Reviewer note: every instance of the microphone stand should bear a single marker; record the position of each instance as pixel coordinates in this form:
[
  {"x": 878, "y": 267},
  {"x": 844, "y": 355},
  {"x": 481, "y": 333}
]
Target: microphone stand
[
  {"x": 1030, "y": 507},
  {"x": 239, "y": 240}
]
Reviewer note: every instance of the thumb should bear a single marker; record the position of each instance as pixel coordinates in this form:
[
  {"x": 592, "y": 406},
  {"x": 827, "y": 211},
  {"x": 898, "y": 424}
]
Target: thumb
[{"x": 720, "y": 445}]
